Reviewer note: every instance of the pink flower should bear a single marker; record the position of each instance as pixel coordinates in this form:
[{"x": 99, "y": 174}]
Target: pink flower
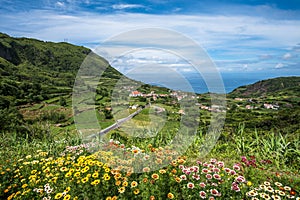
[
  {"x": 204, "y": 170},
  {"x": 214, "y": 184},
  {"x": 202, "y": 194},
  {"x": 205, "y": 164},
  {"x": 186, "y": 171},
  {"x": 183, "y": 177},
  {"x": 235, "y": 187},
  {"x": 190, "y": 185},
  {"x": 215, "y": 192},
  {"x": 202, "y": 185},
  {"x": 244, "y": 159},
  {"x": 194, "y": 168},
  {"x": 240, "y": 179},
  {"x": 217, "y": 176},
  {"x": 211, "y": 166},
  {"x": 181, "y": 167},
  {"x": 208, "y": 176},
  {"x": 227, "y": 170},
  {"x": 213, "y": 161},
  {"x": 232, "y": 172},
  {"x": 220, "y": 164},
  {"x": 236, "y": 167},
  {"x": 199, "y": 162},
  {"x": 216, "y": 169},
  {"x": 196, "y": 177}
]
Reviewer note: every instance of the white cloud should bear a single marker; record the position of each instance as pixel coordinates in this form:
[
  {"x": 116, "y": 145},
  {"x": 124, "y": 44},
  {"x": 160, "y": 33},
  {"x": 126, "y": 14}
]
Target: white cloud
[
  {"x": 60, "y": 4},
  {"x": 279, "y": 65},
  {"x": 126, "y": 6},
  {"x": 232, "y": 37},
  {"x": 287, "y": 56}
]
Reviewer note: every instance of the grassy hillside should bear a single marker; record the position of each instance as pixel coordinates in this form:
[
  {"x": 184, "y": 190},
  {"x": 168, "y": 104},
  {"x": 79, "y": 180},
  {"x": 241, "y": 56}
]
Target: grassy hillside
[
  {"x": 36, "y": 82},
  {"x": 39, "y": 76},
  {"x": 275, "y": 86}
]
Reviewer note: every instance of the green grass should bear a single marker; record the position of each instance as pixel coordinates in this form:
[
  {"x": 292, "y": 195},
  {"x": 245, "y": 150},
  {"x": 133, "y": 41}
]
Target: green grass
[{"x": 272, "y": 157}]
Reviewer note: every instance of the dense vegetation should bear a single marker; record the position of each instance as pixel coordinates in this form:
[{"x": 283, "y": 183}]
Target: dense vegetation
[{"x": 42, "y": 155}]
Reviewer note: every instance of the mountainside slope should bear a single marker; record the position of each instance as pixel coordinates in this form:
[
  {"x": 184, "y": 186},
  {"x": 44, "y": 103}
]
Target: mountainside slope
[
  {"x": 33, "y": 70},
  {"x": 282, "y": 85}
]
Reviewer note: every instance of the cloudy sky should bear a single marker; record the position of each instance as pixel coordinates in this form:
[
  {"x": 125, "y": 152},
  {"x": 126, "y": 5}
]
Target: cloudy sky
[{"x": 239, "y": 35}]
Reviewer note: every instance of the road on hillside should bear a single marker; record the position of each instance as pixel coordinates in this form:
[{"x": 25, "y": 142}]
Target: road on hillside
[{"x": 118, "y": 123}]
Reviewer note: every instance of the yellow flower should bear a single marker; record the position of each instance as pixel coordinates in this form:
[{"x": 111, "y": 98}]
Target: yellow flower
[
  {"x": 99, "y": 164},
  {"x": 85, "y": 179},
  {"x": 95, "y": 182},
  {"x": 77, "y": 174},
  {"x": 108, "y": 198},
  {"x": 114, "y": 198},
  {"x": 54, "y": 179},
  {"x": 24, "y": 186},
  {"x": 33, "y": 171},
  {"x": 106, "y": 177},
  {"x": 68, "y": 174},
  {"x": 121, "y": 189},
  {"x": 107, "y": 170},
  {"x": 85, "y": 169},
  {"x": 67, "y": 197},
  {"x": 95, "y": 175},
  {"x": 125, "y": 184},
  {"x": 162, "y": 171},
  {"x": 155, "y": 176},
  {"x": 249, "y": 183},
  {"x": 136, "y": 191},
  {"x": 64, "y": 169},
  {"x": 67, "y": 189},
  {"x": 170, "y": 196},
  {"x": 58, "y": 196},
  {"x": 134, "y": 184}
]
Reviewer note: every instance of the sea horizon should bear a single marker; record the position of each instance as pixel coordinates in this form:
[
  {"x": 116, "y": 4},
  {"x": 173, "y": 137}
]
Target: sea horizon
[{"x": 231, "y": 81}]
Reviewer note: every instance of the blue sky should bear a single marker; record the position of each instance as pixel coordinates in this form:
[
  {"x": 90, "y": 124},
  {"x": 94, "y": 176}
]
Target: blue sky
[{"x": 240, "y": 36}]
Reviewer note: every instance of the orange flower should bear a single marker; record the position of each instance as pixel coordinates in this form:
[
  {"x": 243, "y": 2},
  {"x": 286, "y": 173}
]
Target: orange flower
[
  {"x": 170, "y": 196},
  {"x": 135, "y": 151},
  {"x": 146, "y": 169},
  {"x": 177, "y": 179},
  {"x": 152, "y": 197},
  {"x": 155, "y": 176},
  {"x": 145, "y": 180},
  {"x": 118, "y": 183}
]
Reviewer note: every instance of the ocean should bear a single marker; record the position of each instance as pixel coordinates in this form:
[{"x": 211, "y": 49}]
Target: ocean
[{"x": 194, "y": 82}]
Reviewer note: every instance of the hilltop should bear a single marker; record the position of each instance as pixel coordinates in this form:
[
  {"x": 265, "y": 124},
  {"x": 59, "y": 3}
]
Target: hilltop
[{"x": 275, "y": 86}]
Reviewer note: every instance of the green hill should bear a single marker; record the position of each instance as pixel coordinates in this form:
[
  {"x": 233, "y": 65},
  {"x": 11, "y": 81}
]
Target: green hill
[
  {"x": 33, "y": 71},
  {"x": 275, "y": 86},
  {"x": 37, "y": 79}
]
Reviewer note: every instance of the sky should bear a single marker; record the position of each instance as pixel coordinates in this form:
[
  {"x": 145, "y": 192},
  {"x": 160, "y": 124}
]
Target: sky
[{"x": 239, "y": 36}]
